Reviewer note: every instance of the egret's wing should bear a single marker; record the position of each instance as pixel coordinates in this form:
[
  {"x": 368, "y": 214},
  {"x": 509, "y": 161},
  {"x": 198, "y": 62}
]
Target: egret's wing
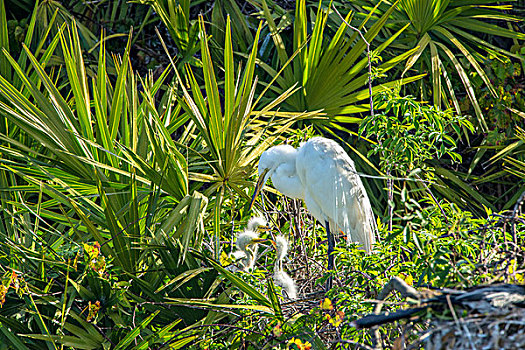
[
  {"x": 354, "y": 214},
  {"x": 334, "y": 191}
]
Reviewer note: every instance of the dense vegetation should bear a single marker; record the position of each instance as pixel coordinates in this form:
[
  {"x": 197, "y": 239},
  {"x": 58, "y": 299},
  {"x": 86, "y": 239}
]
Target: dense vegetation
[{"x": 130, "y": 134}]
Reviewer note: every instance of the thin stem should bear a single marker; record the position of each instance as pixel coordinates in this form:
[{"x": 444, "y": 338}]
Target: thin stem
[
  {"x": 368, "y": 55},
  {"x": 330, "y": 250},
  {"x": 390, "y": 183},
  {"x": 434, "y": 199}
]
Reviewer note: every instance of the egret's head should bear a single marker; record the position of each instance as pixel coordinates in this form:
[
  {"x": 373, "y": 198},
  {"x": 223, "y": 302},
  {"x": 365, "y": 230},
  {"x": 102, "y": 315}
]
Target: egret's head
[
  {"x": 257, "y": 224},
  {"x": 248, "y": 238},
  {"x": 269, "y": 161},
  {"x": 275, "y": 156}
]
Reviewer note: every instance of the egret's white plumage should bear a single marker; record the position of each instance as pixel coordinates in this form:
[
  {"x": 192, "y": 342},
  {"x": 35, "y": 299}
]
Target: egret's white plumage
[
  {"x": 247, "y": 250},
  {"x": 280, "y": 277},
  {"x": 247, "y": 244},
  {"x": 256, "y": 223},
  {"x": 323, "y": 175}
]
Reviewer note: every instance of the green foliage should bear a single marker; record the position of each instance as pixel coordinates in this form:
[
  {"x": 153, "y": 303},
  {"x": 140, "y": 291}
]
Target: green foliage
[
  {"x": 443, "y": 30},
  {"x": 104, "y": 169},
  {"x": 504, "y": 111},
  {"x": 176, "y": 17},
  {"x": 331, "y": 71},
  {"x": 409, "y": 134},
  {"x": 231, "y": 130},
  {"x": 442, "y": 258},
  {"x": 242, "y": 26},
  {"x": 452, "y": 255},
  {"x": 120, "y": 189}
]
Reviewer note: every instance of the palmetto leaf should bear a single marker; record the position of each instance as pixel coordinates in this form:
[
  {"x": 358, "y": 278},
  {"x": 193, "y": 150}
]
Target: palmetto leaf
[
  {"x": 176, "y": 17},
  {"x": 442, "y": 24},
  {"x": 102, "y": 151},
  {"x": 246, "y": 288},
  {"x": 228, "y": 125},
  {"x": 332, "y": 75}
]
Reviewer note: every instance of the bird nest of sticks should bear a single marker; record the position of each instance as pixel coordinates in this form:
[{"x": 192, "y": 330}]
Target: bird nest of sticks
[
  {"x": 496, "y": 330},
  {"x": 483, "y": 317}
]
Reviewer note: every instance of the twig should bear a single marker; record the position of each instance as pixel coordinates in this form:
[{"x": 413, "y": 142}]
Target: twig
[
  {"x": 373, "y": 320},
  {"x": 465, "y": 329},
  {"x": 371, "y": 100},
  {"x": 401, "y": 286},
  {"x": 517, "y": 208},
  {"x": 434, "y": 199},
  {"x": 390, "y": 183}
]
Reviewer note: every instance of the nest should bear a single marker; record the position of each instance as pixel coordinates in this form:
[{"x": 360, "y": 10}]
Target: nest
[
  {"x": 483, "y": 317},
  {"x": 492, "y": 331}
]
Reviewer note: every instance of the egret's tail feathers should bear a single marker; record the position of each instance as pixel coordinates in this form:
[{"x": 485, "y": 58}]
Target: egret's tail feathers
[{"x": 362, "y": 230}]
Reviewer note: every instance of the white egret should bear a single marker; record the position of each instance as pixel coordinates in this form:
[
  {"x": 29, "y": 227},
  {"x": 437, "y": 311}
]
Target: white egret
[
  {"x": 280, "y": 277},
  {"x": 247, "y": 243},
  {"x": 323, "y": 175}
]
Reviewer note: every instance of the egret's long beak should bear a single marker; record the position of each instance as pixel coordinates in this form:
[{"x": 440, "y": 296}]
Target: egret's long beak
[{"x": 259, "y": 186}]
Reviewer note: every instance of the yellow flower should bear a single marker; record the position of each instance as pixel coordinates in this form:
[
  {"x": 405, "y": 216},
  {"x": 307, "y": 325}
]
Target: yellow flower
[
  {"x": 277, "y": 331},
  {"x": 93, "y": 310},
  {"x": 299, "y": 343},
  {"x": 338, "y": 319},
  {"x": 13, "y": 281},
  {"x": 92, "y": 250},
  {"x": 3, "y": 292},
  {"x": 407, "y": 278},
  {"x": 326, "y": 304}
]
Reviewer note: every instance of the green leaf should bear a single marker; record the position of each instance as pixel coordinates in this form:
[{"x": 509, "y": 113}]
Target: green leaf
[
  {"x": 239, "y": 283},
  {"x": 133, "y": 334}
]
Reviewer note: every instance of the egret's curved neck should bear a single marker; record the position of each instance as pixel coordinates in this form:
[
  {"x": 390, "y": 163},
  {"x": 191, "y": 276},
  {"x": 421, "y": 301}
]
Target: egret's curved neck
[
  {"x": 251, "y": 256},
  {"x": 286, "y": 180},
  {"x": 278, "y": 265}
]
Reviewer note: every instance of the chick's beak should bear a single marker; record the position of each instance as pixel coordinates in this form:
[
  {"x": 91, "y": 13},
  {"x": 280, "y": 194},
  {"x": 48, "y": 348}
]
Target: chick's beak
[
  {"x": 263, "y": 228},
  {"x": 259, "y": 186},
  {"x": 260, "y": 240}
]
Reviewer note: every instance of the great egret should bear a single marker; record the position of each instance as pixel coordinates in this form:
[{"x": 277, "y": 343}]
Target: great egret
[
  {"x": 280, "y": 277},
  {"x": 323, "y": 175},
  {"x": 247, "y": 243}
]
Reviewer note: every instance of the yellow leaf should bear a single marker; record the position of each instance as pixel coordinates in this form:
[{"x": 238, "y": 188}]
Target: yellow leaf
[
  {"x": 512, "y": 266},
  {"x": 338, "y": 319}
]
